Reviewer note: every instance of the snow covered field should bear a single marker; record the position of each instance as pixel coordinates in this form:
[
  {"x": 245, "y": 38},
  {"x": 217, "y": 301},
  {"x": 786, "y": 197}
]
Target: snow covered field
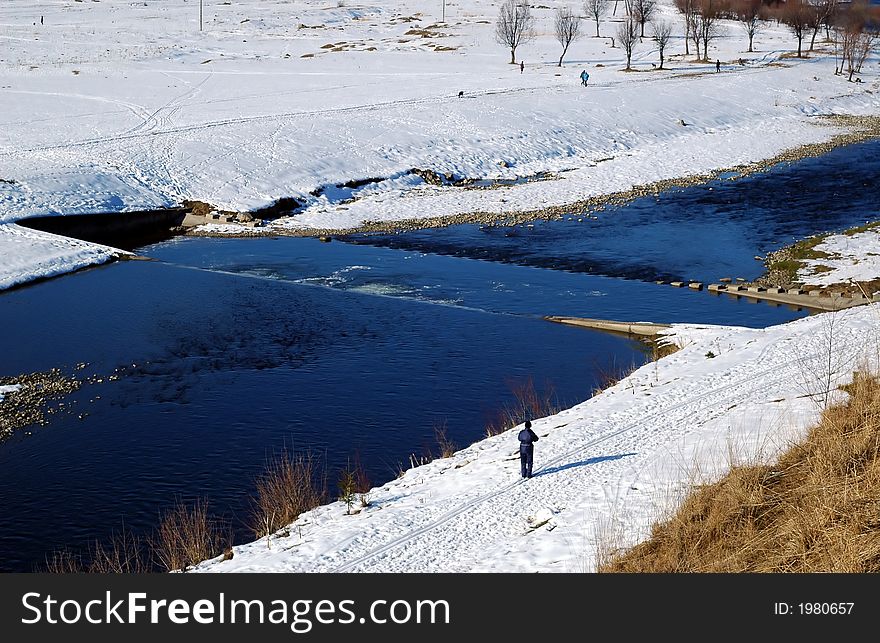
[
  {"x": 114, "y": 105},
  {"x": 27, "y": 254}
]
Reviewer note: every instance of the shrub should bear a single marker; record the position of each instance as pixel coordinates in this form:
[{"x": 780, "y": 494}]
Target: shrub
[
  {"x": 186, "y": 536},
  {"x": 288, "y": 486},
  {"x": 528, "y": 404}
]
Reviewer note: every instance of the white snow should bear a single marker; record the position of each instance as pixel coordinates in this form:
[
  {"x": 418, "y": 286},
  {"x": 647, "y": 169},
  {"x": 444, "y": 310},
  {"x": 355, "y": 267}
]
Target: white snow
[
  {"x": 851, "y": 257},
  {"x": 9, "y": 388},
  {"x": 26, "y": 255},
  {"x": 604, "y": 469},
  {"x": 116, "y": 106}
]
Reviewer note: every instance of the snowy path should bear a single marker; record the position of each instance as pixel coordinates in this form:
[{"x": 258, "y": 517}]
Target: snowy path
[{"x": 487, "y": 532}]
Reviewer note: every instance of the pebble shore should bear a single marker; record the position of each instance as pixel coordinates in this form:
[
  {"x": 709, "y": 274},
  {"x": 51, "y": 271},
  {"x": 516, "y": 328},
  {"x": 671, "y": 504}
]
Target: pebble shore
[
  {"x": 43, "y": 395},
  {"x": 30, "y": 404}
]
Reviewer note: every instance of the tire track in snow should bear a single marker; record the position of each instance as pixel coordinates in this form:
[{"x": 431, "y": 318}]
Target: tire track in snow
[{"x": 161, "y": 117}]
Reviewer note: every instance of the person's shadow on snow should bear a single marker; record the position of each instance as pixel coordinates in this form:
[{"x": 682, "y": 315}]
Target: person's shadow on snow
[{"x": 572, "y": 465}]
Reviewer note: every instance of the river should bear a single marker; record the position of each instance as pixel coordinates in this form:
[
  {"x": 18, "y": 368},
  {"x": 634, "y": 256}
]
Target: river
[{"x": 219, "y": 352}]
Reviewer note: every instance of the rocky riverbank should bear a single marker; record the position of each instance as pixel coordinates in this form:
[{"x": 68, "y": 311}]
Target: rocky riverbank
[
  {"x": 857, "y": 129},
  {"x": 786, "y": 266},
  {"x": 36, "y": 398}
]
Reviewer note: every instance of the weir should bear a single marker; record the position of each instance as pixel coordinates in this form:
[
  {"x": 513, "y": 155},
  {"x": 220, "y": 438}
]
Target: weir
[{"x": 125, "y": 230}]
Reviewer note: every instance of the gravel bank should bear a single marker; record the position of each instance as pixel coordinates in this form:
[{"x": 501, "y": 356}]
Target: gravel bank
[{"x": 40, "y": 396}]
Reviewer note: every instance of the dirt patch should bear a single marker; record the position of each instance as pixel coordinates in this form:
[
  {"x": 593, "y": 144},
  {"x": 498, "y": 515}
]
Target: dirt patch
[{"x": 200, "y": 208}]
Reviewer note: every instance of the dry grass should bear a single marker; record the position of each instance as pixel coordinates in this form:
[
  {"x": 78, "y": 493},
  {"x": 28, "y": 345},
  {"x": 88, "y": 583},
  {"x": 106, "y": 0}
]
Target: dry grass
[
  {"x": 817, "y": 509},
  {"x": 124, "y": 554},
  {"x": 444, "y": 443},
  {"x": 289, "y": 486},
  {"x": 186, "y": 536},
  {"x": 656, "y": 348},
  {"x": 528, "y": 404},
  {"x": 609, "y": 375},
  {"x": 64, "y": 561}
]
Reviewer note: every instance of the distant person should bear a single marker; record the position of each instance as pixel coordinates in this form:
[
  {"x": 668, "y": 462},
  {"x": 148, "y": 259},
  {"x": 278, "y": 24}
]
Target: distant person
[
  {"x": 522, "y": 66},
  {"x": 527, "y": 439},
  {"x": 717, "y": 66},
  {"x": 584, "y": 77}
]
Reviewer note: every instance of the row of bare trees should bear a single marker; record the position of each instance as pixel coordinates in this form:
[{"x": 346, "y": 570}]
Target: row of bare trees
[
  {"x": 804, "y": 18},
  {"x": 856, "y": 35},
  {"x": 855, "y": 27}
]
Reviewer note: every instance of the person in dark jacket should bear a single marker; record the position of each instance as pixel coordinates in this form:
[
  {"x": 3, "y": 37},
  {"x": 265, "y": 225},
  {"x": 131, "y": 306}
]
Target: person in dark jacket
[{"x": 527, "y": 439}]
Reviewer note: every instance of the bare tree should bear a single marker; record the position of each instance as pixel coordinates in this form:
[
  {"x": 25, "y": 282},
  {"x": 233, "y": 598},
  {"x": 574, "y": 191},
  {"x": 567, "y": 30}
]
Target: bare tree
[
  {"x": 865, "y": 44},
  {"x": 748, "y": 12},
  {"x": 595, "y": 9},
  {"x": 662, "y": 34},
  {"x": 797, "y": 15},
  {"x": 708, "y": 26},
  {"x": 642, "y": 12},
  {"x": 855, "y": 43},
  {"x": 628, "y": 35},
  {"x": 823, "y": 10},
  {"x": 515, "y": 26},
  {"x": 687, "y": 9},
  {"x": 568, "y": 29}
]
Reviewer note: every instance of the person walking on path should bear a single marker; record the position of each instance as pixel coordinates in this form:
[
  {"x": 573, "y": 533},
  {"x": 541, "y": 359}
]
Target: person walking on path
[
  {"x": 522, "y": 66},
  {"x": 584, "y": 77},
  {"x": 527, "y": 439},
  {"x": 717, "y": 66}
]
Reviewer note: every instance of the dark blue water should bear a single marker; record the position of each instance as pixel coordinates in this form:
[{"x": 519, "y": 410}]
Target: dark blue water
[
  {"x": 219, "y": 369},
  {"x": 220, "y": 352},
  {"x": 700, "y": 233}
]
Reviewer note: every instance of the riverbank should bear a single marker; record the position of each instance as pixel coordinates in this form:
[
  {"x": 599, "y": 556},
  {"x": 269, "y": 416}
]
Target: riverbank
[
  {"x": 417, "y": 137},
  {"x": 606, "y": 469},
  {"x": 834, "y": 262},
  {"x": 856, "y": 129}
]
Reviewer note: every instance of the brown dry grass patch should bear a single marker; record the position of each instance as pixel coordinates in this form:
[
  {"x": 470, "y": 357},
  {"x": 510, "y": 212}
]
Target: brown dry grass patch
[
  {"x": 817, "y": 509},
  {"x": 290, "y": 485},
  {"x": 187, "y": 535}
]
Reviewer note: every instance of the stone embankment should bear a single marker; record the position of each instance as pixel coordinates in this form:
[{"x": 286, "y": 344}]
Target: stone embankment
[{"x": 815, "y": 299}]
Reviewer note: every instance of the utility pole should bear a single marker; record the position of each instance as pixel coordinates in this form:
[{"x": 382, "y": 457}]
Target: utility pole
[
  {"x": 444, "y": 10},
  {"x": 200, "y": 15}
]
